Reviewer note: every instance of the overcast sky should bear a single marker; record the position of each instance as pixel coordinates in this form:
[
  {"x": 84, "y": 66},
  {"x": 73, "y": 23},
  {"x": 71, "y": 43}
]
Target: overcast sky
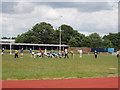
[{"x": 86, "y": 17}]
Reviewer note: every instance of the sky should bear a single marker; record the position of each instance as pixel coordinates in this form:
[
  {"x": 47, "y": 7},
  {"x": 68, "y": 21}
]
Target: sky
[{"x": 86, "y": 17}]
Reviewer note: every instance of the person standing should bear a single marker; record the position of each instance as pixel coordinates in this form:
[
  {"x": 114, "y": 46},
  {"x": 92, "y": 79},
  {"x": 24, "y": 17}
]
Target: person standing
[
  {"x": 95, "y": 54},
  {"x": 16, "y": 54},
  {"x": 63, "y": 53},
  {"x": 72, "y": 53},
  {"x": 66, "y": 53},
  {"x": 80, "y": 53},
  {"x": 21, "y": 51},
  {"x": 30, "y": 51},
  {"x": 2, "y": 51},
  {"x": 118, "y": 54}
]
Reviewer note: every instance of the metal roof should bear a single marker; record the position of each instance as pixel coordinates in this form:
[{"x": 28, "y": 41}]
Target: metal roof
[{"x": 29, "y": 44}]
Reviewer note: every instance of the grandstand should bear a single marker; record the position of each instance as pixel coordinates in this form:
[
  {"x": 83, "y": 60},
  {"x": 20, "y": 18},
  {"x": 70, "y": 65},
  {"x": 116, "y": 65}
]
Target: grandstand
[{"x": 26, "y": 46}]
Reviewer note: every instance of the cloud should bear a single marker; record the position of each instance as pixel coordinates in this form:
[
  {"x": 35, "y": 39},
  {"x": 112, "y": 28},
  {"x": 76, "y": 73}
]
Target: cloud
[
  {"x": 27, "y": 7},
  {"x": 61, "y": 0},
  {"x": 17, "y": 7},
  {"x": 84, "y": 17},
  {"x": 81, "y": 6},
  {"x": 100, "y": 22},
  {"x": 7, "y": 7}
]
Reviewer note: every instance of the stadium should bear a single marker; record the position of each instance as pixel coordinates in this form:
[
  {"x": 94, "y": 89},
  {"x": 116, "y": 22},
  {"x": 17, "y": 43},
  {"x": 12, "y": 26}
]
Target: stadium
[{"x": 58, "y": 45}]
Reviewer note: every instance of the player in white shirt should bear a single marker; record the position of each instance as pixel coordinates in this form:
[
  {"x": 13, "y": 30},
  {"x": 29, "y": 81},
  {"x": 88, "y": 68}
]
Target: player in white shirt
[
  {"x": 66, "y": 53},
  {"x": 118, "y": 54},
  {"x": 33, "y": 54},
  {"x": 80, "y": 53}
]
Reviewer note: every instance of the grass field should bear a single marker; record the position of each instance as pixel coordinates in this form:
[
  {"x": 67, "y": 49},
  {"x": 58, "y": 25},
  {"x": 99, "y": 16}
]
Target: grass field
[{"x": 50, "y": 68}]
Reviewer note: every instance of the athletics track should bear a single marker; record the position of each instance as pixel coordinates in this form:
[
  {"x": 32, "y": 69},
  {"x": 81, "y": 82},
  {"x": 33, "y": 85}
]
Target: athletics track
[{"x": 108, "y": 82}]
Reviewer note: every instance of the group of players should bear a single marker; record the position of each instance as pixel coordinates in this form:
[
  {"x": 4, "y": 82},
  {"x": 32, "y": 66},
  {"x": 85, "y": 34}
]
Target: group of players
[{"x": 51, "y": 54}]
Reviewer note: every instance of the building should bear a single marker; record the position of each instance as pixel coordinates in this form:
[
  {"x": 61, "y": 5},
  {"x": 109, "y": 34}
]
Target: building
[{"x": 6, "y": 43}]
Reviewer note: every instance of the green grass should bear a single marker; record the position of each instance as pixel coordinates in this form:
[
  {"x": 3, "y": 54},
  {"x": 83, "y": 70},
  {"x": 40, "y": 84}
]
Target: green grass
[{"x": 51, "y": 68}]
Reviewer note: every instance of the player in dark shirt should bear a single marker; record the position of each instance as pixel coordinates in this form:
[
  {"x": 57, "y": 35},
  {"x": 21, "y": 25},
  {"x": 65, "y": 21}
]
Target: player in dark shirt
[
  {"x": 16, "y": 54},
  {"x": 2, "y": 51},
  {"x": 95, "y": 54}
]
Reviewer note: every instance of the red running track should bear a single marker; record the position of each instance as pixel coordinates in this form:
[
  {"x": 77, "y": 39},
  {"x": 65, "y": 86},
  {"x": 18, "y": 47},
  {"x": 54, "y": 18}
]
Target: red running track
[{"x": 109, "y": 82}]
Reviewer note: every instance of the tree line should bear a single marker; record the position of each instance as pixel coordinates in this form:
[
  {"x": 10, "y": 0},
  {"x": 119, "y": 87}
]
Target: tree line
[{"x": 44, "y": 33}]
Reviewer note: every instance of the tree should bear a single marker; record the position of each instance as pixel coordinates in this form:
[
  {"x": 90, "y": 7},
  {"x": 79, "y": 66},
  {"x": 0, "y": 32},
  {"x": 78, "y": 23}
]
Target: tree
[
  {"x": 40, "y": 33},
  {"x": 8, "y": 38},
  {"x": 73, "y": 43},
  {"x": 43, "y": 33},
  {"x": 79, "y": 38},
  {"x": 92, "y": 41},
  {"x": 114, "y": 38},
  {"x": 4, "y": 38},
  {"x": 27, "y": 37},
  {"x": 67, "y": 33},
  {"x": 86, "y": 42},
  {"x": 107, "y": 44}
]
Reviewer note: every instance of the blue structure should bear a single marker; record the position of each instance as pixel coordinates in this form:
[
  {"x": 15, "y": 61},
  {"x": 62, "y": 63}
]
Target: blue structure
[
  {"x": 99, "y": 49},
  {"x": 110, "y": 50}
]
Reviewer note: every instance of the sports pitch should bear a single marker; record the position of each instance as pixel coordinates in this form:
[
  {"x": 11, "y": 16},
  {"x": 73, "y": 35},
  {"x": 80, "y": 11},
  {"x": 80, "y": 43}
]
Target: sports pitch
[{"x": 27, "y": 68}]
